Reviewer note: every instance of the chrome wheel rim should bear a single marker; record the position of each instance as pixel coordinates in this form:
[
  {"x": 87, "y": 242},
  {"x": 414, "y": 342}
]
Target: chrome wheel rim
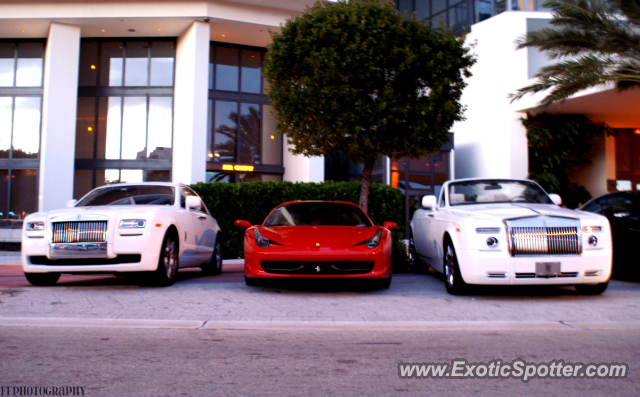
[
  {"x": 218, "y": 256},
  {"x": 449, "y": 266},
  {"x": 170, "y": 260}
]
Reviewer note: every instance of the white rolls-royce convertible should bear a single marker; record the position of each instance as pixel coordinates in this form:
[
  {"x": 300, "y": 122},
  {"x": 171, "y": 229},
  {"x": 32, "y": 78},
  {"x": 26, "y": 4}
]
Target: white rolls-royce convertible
[
  {"x": 141, "y": 227},
  {"x": 506, "y": 231}
]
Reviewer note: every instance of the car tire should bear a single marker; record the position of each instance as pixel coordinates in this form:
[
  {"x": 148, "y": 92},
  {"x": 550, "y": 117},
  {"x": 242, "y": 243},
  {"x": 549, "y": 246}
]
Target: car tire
[
  {"x": 452, "y": 277},
  {"x": 591, "y": 289},
  {"x": 42, "y": 279},
  {"x": 214, "y": 267},
  {"x": 168, "y": 263},
  {"x": 252, "y": 282}
]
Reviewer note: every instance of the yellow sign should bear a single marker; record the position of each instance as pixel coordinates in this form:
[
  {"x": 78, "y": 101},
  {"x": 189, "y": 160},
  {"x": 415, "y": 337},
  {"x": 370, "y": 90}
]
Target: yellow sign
[{"x": 231, "y": 167}]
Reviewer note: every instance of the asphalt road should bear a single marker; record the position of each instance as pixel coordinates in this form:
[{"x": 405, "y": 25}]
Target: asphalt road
[{"x": 303, "y": 361}]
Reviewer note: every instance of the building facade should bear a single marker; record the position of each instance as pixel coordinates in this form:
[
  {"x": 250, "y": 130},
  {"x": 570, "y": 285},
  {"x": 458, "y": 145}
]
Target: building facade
[{"x": 98, "y": 92}]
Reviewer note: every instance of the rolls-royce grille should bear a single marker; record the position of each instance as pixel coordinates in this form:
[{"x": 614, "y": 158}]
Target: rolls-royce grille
[
  {"x": 80, "y": 232},
  {"x": 544, "y": 241}
]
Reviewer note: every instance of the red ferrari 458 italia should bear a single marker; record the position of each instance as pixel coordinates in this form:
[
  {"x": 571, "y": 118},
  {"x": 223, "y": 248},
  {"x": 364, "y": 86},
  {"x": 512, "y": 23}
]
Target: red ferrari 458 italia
[{"x": 310, "y": 239}]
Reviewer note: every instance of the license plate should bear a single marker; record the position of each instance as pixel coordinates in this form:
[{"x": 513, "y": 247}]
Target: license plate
[{"x": 547, "y": 269}]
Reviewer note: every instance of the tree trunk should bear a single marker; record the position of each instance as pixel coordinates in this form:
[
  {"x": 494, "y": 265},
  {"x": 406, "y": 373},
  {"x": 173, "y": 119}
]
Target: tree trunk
[{"x": 365, "y": 182}]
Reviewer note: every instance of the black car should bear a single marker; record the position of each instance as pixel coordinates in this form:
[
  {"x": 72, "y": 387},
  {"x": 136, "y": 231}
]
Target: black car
[{"x": 623, "y": 211}]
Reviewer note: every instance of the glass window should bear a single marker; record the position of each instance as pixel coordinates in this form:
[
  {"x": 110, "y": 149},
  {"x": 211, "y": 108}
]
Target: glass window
[
  {"x": 111, "y": 64},
  {"x": 26, "y": 127},
  {"x": 441, "y": 163},
  {"x": 249, "y": 133},
  {"x": 4, "y": 188},
  {"x": 218, "y": 177},
  {"x": 270, "y": 177},
  {"x": 88, "y": 64},
  {"x": 438, "y": 6},
  {"x": 406, "y": 6},
  {"x": 422, "y": 9},
  {"x": 163, "y": 55},
  {"x": 318, "y": 213},
  {"x": 421, "y": 182},
  {"x": 6, "y": 123},
  {"x": 157, "y": 176},
  {"x": 271, "y": 139},
  {"x": 23, "y": 200},
  {"x": 248, "y": 177},
  {"x": 226, "y": 131},
  {"x": 160, "y": 128},
  {"x": 136, "y": 66},
  {"x": 134, "y": 129},
  {"x": 7, "y": 64},
  {"x": 623, "y": 186},
  {"x": 421, "y": 165},
  {"x": 85, "y": 128},
  {"x": 82, "y": 183},
  {"x": 227, "y": 68},
  {"x": 623, "y": 154},
  {"x": 635, "y": 152},
  {"x": 496, "y": 191},
  {"x": 130, "y": 195},
  {"x": 29, "y": 65},
  {"x": 113, "y": 126},
  {"x": 251, "y": 66}
]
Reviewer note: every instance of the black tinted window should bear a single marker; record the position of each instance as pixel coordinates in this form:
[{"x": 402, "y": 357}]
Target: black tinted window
[
  {"x": 333, "y": 214},
  {"x": 129, "y": 195}
]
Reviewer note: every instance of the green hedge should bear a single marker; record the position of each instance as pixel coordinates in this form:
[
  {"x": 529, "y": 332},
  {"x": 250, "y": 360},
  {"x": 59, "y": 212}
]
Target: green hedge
[{"x": 252, "y": 201}]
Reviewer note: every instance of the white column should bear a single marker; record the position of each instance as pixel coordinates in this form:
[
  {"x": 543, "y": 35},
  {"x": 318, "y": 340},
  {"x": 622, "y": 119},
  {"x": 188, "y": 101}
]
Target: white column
[
  {"x": 190, "y": 105},
  {"x": 298, "y": 168},
  {"x": 59, "y": 102}
]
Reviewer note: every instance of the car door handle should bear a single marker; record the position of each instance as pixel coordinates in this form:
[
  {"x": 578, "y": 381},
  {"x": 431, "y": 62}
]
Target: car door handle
[
  {"x": 430, "y": 215},
  {"x": 202, "y": 217}
]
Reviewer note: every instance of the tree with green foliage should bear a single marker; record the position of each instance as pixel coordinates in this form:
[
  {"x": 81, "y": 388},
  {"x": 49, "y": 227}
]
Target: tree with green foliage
[
  {"x": 359, "y": 78},
  {"x": 558, "y": 144},
  {"x": 596, "y": 42}
]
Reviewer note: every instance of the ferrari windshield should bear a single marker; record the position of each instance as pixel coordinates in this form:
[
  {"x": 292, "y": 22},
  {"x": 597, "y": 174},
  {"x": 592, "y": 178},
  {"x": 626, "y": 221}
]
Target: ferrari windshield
[
  {"x": 496, "y": 191},
  {"x": 129, "y": 195},
  {"x": 318, "y": 213}
]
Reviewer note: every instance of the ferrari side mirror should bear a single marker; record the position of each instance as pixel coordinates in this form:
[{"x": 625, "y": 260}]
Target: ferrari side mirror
[
  {"x": 240, "y": 224},
  {"x": 389, "y": 225}
]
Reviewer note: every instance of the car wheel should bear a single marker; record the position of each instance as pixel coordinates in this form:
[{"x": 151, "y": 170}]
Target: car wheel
[
  {"x": 593, "y": 289},
  {"x": 214, "y": 267},
  {"x": 42, "y": 279},
  {"x": 452, "y": 278},
  {"x": 168, "y": 263}
]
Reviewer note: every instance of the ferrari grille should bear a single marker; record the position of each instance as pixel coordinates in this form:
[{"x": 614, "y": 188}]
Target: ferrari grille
[
  {"x": 80, "y": 232},
  {"x": 544, "y": 241}
]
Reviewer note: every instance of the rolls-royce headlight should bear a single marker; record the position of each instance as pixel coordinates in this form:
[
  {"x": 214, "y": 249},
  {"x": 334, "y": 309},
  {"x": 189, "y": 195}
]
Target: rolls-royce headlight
[
  {"x": 593, "y": 241},
  {"x": 262, "y": 242},
  {"x": 492, "y": 242},
  {"x": 591, "y": 229},
  {"x": 133, "y": 224},
  {"x": 374, "y": 241},
  {"x": 35, "y": 226}
]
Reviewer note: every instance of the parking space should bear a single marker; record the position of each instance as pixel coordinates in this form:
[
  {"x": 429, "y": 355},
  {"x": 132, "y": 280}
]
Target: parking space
[{"x": 411, "y": 297}]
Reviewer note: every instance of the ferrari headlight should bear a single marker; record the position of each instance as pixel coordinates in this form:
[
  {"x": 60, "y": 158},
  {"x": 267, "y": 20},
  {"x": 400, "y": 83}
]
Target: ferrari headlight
[
  {"x": 132, "y": 224},
  {"x": 374, "y": 241},
  {"x": 35, "y": 226},
  {"x": 261, "y": 241}
]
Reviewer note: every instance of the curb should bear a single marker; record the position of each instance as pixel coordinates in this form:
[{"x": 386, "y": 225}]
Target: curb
[{"x": 315, "y": 325}]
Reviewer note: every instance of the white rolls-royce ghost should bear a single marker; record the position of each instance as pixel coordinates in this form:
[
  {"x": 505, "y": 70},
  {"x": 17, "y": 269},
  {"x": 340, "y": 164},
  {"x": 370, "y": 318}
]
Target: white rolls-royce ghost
[
  {"x": 505, "y": 231},
  {"x": 135, "y": 227}
]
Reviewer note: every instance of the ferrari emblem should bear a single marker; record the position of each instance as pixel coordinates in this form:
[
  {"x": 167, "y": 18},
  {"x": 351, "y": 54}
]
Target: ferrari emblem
[
  {"x": 317, "y": 244},
  {"x": 317, "y": 269}
]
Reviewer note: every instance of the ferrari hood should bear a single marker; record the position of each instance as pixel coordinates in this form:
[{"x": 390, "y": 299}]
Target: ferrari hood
[{"x": 318, "y": 236}]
